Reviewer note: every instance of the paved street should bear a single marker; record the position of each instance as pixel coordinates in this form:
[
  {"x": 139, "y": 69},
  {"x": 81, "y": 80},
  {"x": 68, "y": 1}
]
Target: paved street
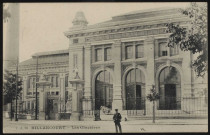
[{"x": 164, "y": 125}]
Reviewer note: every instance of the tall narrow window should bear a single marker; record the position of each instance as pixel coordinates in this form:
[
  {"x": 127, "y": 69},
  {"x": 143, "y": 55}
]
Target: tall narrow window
[
  {"x": 129, "y": 52},
  {"x": 139, "y": 51},
  {"x": 98, "y": 54},
  {"x": 56, "y": 81},
  {"x": 66, "y": 81},
  {"x": 107, "y": 54},
  {"x": 52, "y": 81},
  {"x": 29, "y": 82},
  {"x": 163, "y": 49},
  {"x": 34, "y": 82}
]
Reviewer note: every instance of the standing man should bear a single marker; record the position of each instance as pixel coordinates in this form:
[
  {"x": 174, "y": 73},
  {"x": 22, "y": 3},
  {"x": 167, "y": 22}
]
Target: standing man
[{"x": 117, "y": 119}]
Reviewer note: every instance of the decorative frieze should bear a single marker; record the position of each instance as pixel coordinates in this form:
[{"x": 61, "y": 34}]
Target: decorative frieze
[
  {"x": 125, "y": 29},
  {"x": 126, "y": 35}
]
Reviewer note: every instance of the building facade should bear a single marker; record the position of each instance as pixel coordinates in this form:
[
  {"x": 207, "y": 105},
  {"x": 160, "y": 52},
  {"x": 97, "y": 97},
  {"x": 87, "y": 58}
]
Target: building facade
[{"x": 118, "y": 61}]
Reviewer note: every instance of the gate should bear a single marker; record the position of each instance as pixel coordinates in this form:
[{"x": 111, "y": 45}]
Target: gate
[{"x": 52, "y": 109}]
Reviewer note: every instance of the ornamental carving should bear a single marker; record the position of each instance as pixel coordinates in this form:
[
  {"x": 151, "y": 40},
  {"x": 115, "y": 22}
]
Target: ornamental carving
[
  {"x": 125, "y": 66},
  {"x": 157, "y": 65}
]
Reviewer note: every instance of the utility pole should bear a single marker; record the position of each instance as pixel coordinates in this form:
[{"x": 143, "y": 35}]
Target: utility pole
[
  {"x": 16, "y": 90},
  {"x": 36, "y": 109}
]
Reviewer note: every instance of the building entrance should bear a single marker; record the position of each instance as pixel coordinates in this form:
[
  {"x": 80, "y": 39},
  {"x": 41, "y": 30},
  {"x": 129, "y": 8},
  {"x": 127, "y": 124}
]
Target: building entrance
[
  {"x": 52, "y": 109},
  {"x": 103, "y": 92},
  {"x": 170, "y": 96},
  {"x": 169, "y": 89},
  {"x": 135, "y": 90}
]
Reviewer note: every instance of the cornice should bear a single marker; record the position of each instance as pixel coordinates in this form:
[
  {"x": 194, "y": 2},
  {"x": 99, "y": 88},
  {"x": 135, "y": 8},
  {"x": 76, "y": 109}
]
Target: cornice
[{"x": 118, "y": 26}]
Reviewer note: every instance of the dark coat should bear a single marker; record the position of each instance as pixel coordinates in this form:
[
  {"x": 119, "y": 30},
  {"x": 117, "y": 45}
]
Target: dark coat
[{"x": 117, "y": 118}]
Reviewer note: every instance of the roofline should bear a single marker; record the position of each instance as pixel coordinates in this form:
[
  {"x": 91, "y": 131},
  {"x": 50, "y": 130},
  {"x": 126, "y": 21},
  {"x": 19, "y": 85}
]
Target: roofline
[
  {"x": 50, "y": 53},
  {"x": 147, "y": 10}
]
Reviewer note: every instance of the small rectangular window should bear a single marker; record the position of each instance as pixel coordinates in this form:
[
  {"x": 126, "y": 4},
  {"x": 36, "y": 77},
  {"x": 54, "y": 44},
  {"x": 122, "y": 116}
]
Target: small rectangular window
[
  {"x": 129, "y": 52},
  {"x": 107, "y": 54},
  {"x": 98, "y": 54},
  {"x": 174, "y": 50},
  {"x": 139, "y": 51},
  {"x": 75, "y": 41},
  {"x": 57, "y": 93},
  {"x": 164, "y": 53},
  {"x": 163, "y": 49}
]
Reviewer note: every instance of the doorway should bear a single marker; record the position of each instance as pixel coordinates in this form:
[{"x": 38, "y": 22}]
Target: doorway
[
  {"x": 52, "y": 109},
  {"x": 170, "y": 96}
]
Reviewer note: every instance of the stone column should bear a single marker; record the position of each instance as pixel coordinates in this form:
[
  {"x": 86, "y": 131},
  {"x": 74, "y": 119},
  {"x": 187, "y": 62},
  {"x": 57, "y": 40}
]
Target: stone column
[
  {"x": 42, "y": 103},
  {"x": 117, "y": 91},
  {"x": 149, "y": 47},
  {"x": 75, "y": 50},
  {"x": 87, "y": 102}
]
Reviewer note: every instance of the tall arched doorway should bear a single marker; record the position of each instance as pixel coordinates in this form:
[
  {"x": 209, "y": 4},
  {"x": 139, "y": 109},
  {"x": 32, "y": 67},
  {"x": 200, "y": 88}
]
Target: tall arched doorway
[
  {"x": 103, "y": 90},
  {"x": 169, "y": 89},
  {"x": 135, "y": 90}
]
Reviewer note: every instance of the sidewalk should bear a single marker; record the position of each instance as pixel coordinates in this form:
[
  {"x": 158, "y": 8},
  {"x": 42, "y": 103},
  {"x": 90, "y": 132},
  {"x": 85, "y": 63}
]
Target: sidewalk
[
  {"x": 136, "y": 122},
  {"x": 50, "y": 126}
]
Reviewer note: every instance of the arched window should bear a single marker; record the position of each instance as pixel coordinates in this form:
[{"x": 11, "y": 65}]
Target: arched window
[
  {"x": 169, "y": 89},
  {"x": 135, "y": 90},
  {"x": 103, "y": 90}
]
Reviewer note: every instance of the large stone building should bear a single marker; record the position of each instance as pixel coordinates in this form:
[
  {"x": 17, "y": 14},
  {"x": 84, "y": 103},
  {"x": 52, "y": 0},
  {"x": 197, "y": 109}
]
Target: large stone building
[{"x": 114, "y": 64}]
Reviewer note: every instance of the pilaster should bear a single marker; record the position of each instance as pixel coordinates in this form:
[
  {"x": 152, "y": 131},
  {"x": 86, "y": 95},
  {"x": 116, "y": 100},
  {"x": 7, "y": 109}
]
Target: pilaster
[
  {"x": 87, "y": 104},
  {"x": 42, "y": 104},
  {"x": 187, "y": 74},
  {"x": 117, "y": 92},
  {"x": 149, "y": 47}
]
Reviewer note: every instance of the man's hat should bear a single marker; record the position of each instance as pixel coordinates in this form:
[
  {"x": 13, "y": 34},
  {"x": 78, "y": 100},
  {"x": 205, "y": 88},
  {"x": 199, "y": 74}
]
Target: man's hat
[{"x": 116, "y": 109}]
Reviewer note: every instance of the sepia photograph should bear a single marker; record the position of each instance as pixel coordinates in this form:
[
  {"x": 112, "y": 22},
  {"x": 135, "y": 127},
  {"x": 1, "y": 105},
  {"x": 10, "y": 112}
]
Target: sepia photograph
[{"x": 89, "y": 67}]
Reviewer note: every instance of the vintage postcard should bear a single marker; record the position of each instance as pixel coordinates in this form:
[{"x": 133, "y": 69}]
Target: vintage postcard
[{"x": 105, "y": 67}]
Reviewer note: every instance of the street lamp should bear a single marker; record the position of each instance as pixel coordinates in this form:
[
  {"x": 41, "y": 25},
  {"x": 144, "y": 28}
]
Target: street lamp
[
  {"x": 16, "y": 119},
  {"x": 36, "y": 108}
]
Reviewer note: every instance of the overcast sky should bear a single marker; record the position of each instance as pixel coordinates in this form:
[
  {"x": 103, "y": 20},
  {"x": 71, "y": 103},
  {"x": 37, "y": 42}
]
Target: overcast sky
[{"x": 42, "y": 24}]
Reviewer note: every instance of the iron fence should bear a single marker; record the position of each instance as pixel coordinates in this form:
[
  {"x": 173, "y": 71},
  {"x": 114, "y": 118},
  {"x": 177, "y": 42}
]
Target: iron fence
[
  {"x": 164, "y": 107},
  {"x": 171, "y": 106}
]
